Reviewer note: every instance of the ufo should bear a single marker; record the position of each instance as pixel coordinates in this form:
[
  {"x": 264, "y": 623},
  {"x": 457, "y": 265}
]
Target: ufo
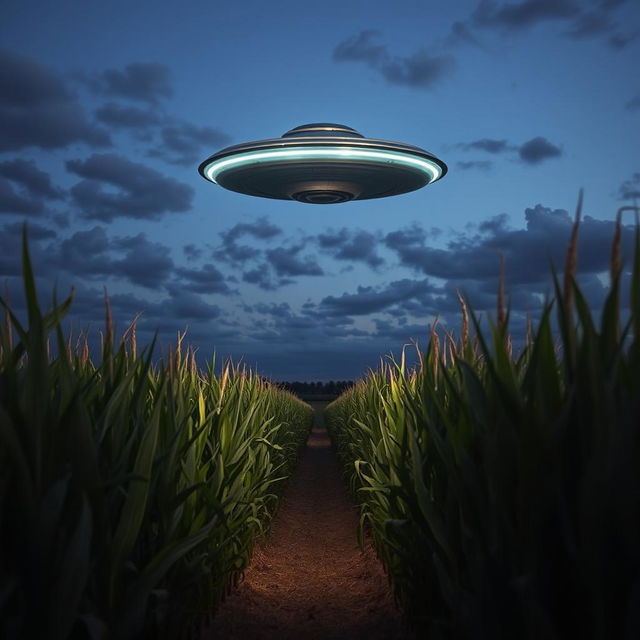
[{"x": 322, "y": 163}]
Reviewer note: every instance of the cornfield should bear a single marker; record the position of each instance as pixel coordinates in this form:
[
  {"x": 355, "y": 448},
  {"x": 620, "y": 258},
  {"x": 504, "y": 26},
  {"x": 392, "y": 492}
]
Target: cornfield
[
  {"x": 503, "y": 491},
  {"x": 131, "y": 492}
]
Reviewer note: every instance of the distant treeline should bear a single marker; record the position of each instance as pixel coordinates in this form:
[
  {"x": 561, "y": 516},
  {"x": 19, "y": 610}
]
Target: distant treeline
[{"x": 331, "y": 388}]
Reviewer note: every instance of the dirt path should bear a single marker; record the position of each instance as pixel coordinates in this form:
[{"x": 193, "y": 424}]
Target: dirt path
[{"x": 310, "y": 580}]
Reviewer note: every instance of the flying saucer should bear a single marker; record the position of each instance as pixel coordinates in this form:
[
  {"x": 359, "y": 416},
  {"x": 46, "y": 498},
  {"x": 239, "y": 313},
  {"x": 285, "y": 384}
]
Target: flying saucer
[{"x": 323, "y": 163}]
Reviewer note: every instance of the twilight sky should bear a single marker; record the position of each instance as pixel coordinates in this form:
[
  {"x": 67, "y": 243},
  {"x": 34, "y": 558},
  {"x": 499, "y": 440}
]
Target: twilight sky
[{"x": 107, "y": 108}]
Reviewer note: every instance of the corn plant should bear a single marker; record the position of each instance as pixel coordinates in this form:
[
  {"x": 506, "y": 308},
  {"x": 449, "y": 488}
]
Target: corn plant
[
  {"x": 503, "y": 492},
  {"x": 131, "y": 491}
]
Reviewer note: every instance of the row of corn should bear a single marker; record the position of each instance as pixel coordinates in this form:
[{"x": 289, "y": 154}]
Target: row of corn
[
  {"x": 503, "y": 492},
  {"x": 131, "y": 492}
]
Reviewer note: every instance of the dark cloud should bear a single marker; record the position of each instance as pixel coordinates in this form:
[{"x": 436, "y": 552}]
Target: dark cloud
[
  {"x": 620, "y": 41},
  {"x": 462, "y": 34},
  {"x": 192, "y": 252},
  {"x": 522, "y": 14},
  {"x": 361, "y": 48},
  {"x": 594, "y": 21},
  {"x": 494, "y": 225},
  {"x": 144, "y": 82},
  {"x": 532, "y": 152},
  {"x": 13, "y": 202},
  {"x": 24, "y": 188},
  {"x": 93, "y": 254},
  {"x": 262, "y": 277},
  {"x": 11, "y": 246},
  {"x": 598, "y": 22},
  {"x": 422, "y": 69},
  {"x": 145, "y": 263},
  {"x": 630, "y": 189},
  {"x": 126, "y": 117},
  {"x": 231, "y": 251},
  {"x": 589, "y": 24},
  {"x": 470, "y": 264},
  {"x": 527, "y": 251},
  {"x": 261, "y": 228},
  {"x": 280, "y": 324},
  {"x": 179, "y": 142},
  {"x": 400, "y": 332},
  {"x": 178, "y": 311},
  {"x": 142, "y": 192},
  {"x": 34, "y": 180},
  {"x": 37, "y": 109},
  {"x": 186, "y": 306},
  {"x": 85, "y": 253},
  {"x": 537, "y": 150},
  {"x": 355, "y": 246},
  {"x": 34, "y": 231},
  {"x": 371, "y": 299},
  {"x": 182, "y": 142},
  {"x": 405, "y": 239},
  {"x": 487, "y": 144},
  {"x": 475, "y": 164},
  {"x": 207, "y": 279},
  {"x": 288, "y": 262}
]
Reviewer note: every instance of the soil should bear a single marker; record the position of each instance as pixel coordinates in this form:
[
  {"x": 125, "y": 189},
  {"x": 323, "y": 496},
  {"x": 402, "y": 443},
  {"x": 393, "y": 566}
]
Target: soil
[{"x": 309, "y": 580}]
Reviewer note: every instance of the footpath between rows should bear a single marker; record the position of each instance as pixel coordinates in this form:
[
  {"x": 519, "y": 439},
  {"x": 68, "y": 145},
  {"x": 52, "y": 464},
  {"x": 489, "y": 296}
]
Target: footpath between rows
[{"x": 309, "y": 580}]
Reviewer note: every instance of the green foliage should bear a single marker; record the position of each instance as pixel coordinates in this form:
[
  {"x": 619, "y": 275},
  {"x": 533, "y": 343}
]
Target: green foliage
[
  {"x": 504, "y": 494},
  {"x": 130, "y": 493}
]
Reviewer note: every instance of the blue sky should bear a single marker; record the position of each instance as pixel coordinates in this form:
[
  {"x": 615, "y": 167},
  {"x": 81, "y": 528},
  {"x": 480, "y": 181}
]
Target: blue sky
[{"x": 106, "y": 110}]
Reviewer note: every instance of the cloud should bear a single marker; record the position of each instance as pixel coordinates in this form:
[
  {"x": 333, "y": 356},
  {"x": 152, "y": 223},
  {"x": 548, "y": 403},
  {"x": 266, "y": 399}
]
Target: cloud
[
  {"x": 142, "y": 192},
  {"x": 462, "y": 34},
  {"x": 186, "y": 307},
  {"x": 93, "y": 254},
  {"x": 592, "y": 22},
  {"x": 589, "y": 24},
  {"x": 598, "y": 22},
  {"x": 37, "y": 109},
  {"x": 13, "y": 202},
  {"x": 145, "y": 263},
  {"x": 143, "y": 82},
  {"x": 486, "y": 144},
  {"x": 279, "y": 324},
  {"x": 520, "y": 15},
  {"x": 630, "y": 189},
  {"x": 182, "y": 142},
  {"x": 11, "y": 246},
  {"x": 192, "y": 252},
  {"x": 262, "y": 277},
  {"x": 234, "y": 253},
  {"x": 532, "y": 152},
  {"x": 354, "y": 246},
  {"x": 178, "y": 311},
  {"x": 421, "y": 70},
  {"x": 620, "y": 41},
  {"x": 34, "y": 231},
  {"x": 371, "y": 299},
  {"x": 24, "y": 189},
  {"x": 361, "y": 48},
  {"x": 537, "y": 150},
  {"x": 207, "y": 279},
  {"x": 36, "y": 182},
  {"x": 287, "y": 262},
  {"x": 475, "y": 164},
  {"x": 126, "y": 117},
  {"x": 527, "y": 251}
]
